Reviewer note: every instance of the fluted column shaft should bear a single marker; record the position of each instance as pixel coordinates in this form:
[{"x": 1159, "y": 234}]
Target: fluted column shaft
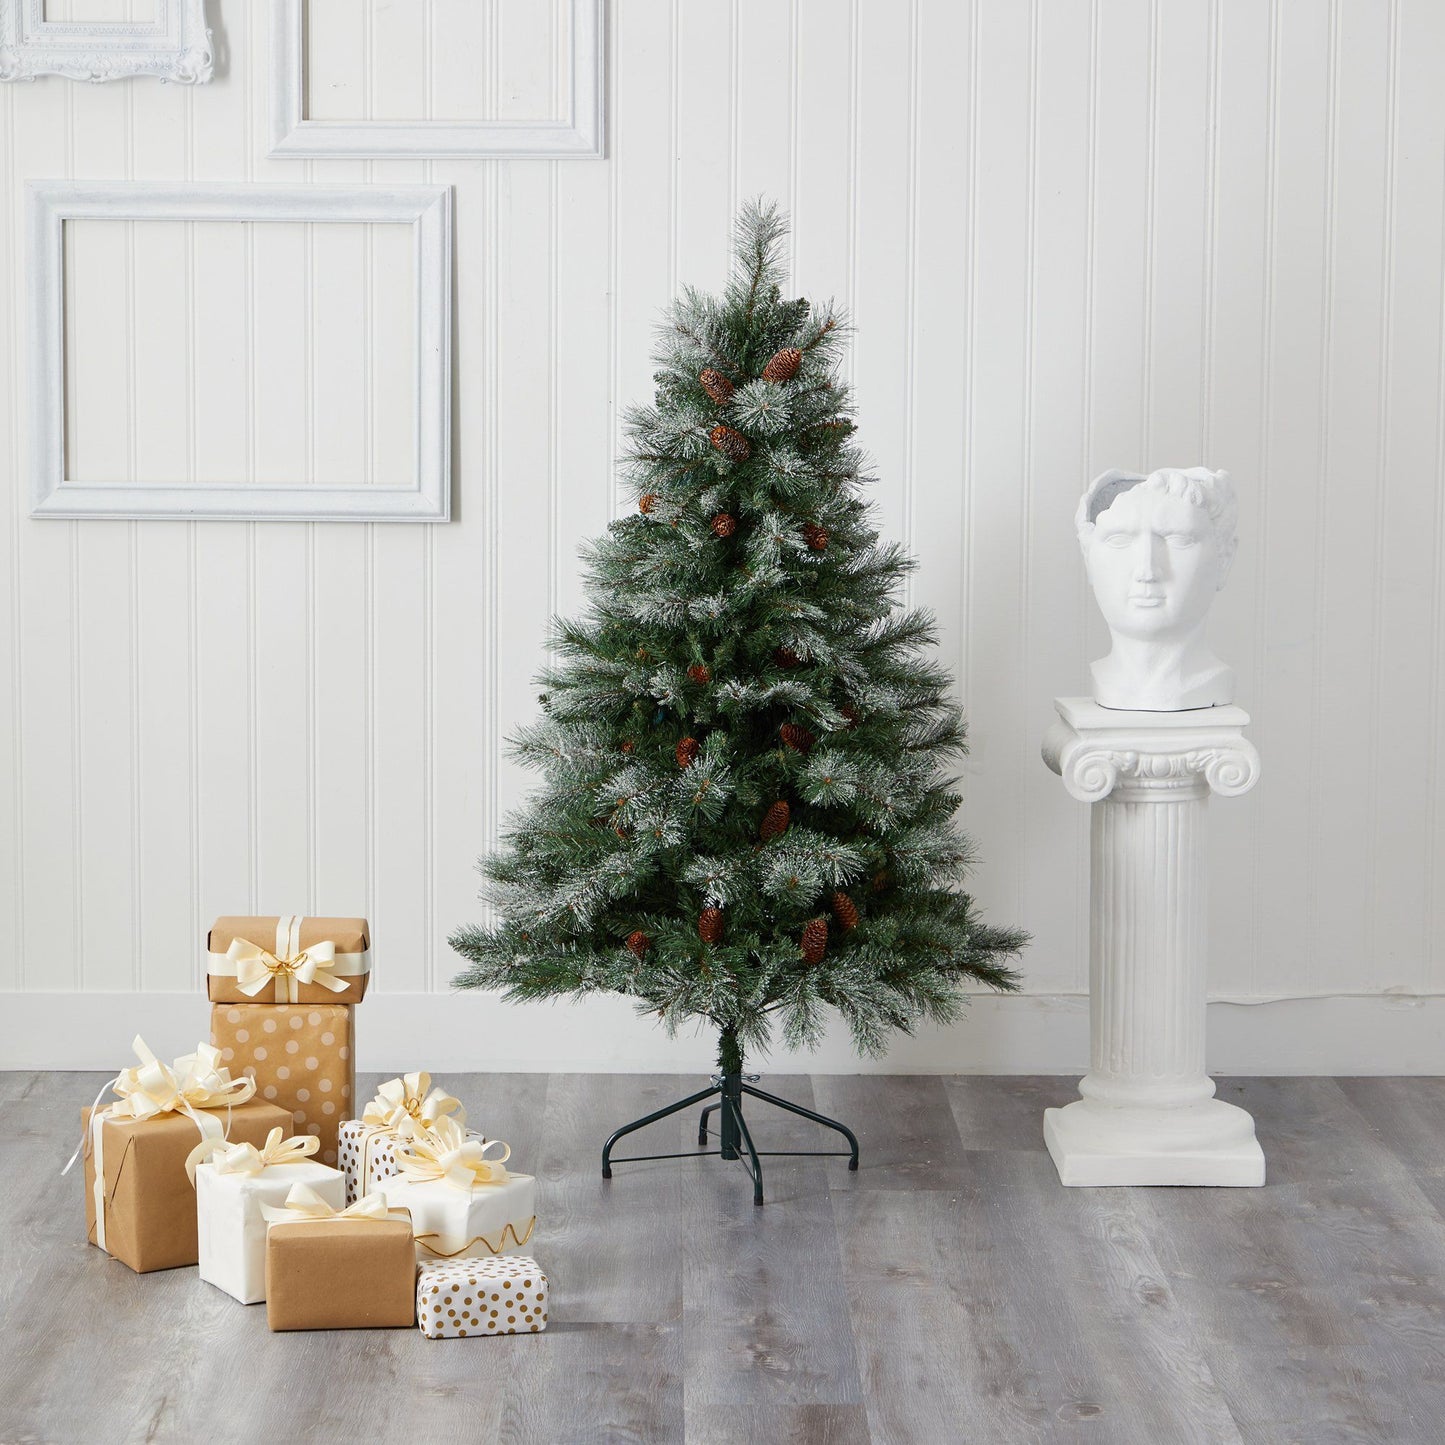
[{"x": 1147, "y": 954}]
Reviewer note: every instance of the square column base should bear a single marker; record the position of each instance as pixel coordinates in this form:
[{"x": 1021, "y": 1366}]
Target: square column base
[{"x": 1210, "y": 1143}]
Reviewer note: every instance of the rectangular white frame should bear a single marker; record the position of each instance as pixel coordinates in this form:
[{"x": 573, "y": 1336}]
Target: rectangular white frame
[
  {"x": 578, "y": 136},
  {"x": 174, "y": 46},
  {"x": 427, "y": 209}
]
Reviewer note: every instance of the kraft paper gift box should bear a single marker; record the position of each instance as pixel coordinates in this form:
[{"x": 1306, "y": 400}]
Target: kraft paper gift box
[
  {"x": 144, "y": 1212},
  {"x": 287, "y": 959},
  {"x": 300, "y": 1056},
  {"x": 462, "y": 1203},
  {"x": 354, "y": 1270},
  {"x": 502, "y": 1296},
  {"x": 369, "y": 1145},
  {"x": 232, "y": 1185}
]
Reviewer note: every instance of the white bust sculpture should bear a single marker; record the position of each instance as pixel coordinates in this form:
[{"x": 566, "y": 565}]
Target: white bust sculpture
[{"x": 1157, "y": 549}]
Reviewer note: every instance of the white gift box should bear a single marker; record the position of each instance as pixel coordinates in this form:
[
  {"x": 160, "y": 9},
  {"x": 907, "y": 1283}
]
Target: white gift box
[
  {"x": 499, "y": 1296},
  {"x": 231, "y": 1230},
  {"x": 477, "y": 1223}
]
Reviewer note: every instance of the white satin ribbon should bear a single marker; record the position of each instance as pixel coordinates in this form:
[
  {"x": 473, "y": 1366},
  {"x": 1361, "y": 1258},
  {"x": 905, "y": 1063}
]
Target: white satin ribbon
[
  {"x": 446, "y": 1152},
  {"x": 253, "y": 967},
  {"x": 246, "y": 1158}
]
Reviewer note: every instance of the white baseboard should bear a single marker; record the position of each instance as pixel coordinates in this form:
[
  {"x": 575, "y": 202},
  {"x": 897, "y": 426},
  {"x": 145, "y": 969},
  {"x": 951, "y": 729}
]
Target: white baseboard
[{"x": 1023, "y": 1034}]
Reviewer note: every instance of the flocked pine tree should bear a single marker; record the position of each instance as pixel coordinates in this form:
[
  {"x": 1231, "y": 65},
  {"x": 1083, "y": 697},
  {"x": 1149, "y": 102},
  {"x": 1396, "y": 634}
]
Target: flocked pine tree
[{"x": 743, "y": 819}]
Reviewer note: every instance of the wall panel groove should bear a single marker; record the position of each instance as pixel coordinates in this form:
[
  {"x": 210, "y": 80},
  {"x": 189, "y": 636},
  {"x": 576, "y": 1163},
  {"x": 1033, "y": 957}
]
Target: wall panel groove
[{"x": 1128, "y": 233}]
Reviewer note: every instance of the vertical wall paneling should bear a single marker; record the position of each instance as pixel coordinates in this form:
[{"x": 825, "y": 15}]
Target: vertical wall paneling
[
  {"x": 12, "y": 402},
  {"x": 1121, "y": 232}
]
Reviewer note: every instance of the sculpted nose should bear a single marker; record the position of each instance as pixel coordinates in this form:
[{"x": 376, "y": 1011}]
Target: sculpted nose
[{"x": 1145, "y": 563}]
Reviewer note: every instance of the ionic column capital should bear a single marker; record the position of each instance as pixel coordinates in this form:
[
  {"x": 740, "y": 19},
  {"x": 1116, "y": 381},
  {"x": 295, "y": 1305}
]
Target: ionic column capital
[{"x": 1150, "y": 756}]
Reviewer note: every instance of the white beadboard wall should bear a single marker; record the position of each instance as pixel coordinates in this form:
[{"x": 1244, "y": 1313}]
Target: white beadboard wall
[{"x": 1073, "y": 234}]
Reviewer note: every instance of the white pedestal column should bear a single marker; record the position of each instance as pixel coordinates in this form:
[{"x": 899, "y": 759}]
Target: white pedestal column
[{"x": 1148, "y": 1114}]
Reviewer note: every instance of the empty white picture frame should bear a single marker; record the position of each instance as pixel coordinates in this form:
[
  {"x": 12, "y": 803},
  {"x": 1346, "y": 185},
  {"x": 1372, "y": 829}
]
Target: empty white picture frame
[
  {"x": 576, "y": 133},
  {"x": 173, "y": 44},
  {"x": 424, "y": 496}
]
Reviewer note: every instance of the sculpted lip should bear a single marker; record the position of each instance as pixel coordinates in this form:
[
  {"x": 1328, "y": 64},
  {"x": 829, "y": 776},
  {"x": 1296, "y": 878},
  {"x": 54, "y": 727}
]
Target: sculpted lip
[{"x": 1147, "y": 599}]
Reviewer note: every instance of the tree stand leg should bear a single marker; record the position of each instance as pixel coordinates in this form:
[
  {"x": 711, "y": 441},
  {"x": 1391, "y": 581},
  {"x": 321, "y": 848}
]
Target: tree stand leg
[
  {"x": 735, "y": 1140},
  {"x": 702, "y": 1122}
]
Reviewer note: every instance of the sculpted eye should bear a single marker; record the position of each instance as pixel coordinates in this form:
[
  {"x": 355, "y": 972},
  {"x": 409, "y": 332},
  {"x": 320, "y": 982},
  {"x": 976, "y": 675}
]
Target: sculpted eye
[
  {"x": 1116, "y": 539},
  {"x": 1183, "y": 539}
]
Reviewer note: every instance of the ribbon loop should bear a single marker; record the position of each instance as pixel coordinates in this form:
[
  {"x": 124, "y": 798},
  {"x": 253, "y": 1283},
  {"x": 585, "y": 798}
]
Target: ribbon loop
[
  {"x": 446, "y": 1152},
  {"x": 305, "y": 1206}
]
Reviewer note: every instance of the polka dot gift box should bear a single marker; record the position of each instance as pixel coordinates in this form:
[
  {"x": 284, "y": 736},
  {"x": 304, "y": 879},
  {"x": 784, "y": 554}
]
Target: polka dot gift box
[
  {"x": 502, "y": 1296},
  {"x": 301, "y": 1057}
]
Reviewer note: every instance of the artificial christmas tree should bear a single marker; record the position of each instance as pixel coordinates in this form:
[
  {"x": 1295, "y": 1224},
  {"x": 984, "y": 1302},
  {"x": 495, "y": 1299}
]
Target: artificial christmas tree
[{"x": 808, "y": 763}]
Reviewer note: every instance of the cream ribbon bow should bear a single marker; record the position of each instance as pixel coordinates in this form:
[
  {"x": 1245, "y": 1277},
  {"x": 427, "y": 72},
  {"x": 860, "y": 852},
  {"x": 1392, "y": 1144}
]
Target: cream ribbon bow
[
  {"x": 446, "y": 1152},
  {"x": 195, "y": 1081},
  {"x": 256, "y": 967},
  {"x": 245, "y": 1158},
  {"x": 410, "y": 1104},
  {"x": 305, "y": 1206}
]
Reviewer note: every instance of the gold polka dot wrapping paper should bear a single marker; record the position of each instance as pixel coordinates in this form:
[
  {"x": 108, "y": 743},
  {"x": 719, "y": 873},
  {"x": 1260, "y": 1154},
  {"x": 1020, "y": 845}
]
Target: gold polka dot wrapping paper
[
  {"x": 506, "y": 1295},
  {"x": 302, "y": 1057}
]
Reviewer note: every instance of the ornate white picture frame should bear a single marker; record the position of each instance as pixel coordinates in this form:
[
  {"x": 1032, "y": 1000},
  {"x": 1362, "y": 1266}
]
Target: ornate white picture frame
[
  {"x": 174, "y": 45},
  {"x": 424, "y": 497},
  {"x": 579, "y": 134}
]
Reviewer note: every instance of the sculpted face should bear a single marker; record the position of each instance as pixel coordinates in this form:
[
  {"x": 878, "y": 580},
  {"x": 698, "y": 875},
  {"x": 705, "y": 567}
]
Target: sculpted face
[{"x": 1154, "y": 564}]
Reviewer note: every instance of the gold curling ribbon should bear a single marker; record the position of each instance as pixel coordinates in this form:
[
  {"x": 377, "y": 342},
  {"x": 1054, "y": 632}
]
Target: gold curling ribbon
[
  {"x": 245, "y": 1158},
  {"x": 497, "y": 1248}
]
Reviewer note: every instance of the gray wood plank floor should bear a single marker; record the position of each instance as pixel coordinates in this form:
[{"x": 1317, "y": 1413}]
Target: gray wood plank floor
[{"x": 948, "y": 1291}]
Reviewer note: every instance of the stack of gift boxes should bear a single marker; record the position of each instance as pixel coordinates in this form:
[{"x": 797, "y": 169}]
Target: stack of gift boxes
[{"x": 248, "y": 1158}]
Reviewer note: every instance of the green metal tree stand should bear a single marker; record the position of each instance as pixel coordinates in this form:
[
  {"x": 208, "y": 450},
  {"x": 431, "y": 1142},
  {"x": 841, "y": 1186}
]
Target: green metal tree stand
[{"x": 734, "y": 1139}]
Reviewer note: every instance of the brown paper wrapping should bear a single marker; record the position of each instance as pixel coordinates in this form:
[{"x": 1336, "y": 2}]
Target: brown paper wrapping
[
  {"x": 350, "y": 935},
  {"x": 301, "y": 1057},
  {"x": 150, "y": 1210},
  {"x": 350, "y": 1274}
]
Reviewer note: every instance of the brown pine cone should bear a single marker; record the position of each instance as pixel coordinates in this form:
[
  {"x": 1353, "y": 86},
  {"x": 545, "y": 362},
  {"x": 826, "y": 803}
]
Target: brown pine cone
[
  {"x": 699, "y": 673},
  {"x": 845, "y": 911},
  {"x": 786, "y": 657},
  {"x": 799, "y": 739},
  {"x": 627, "y": 745},
  {"x": 816, "y": 537},
  {"x": 815, "y": 940},
  {"x": 732, "y": 444},
  {"x": 687, "y": 751},
  {"x": 646, "y": 502},
  {"x": 718, "y": 388},
  {"x": 638, "y": 943},
  {"x": 724, "y": 525},
  {"x": 710, "y": 925},
  {"x": 784, "y": 364},
  {"x": 880, "y": 880},
  {"x": 850, "y": 714},
  {"x": 775, "y": 821}
]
